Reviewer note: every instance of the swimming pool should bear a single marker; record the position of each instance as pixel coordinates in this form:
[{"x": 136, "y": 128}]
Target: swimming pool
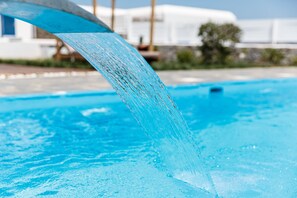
[{"x": 88, "y": 144}]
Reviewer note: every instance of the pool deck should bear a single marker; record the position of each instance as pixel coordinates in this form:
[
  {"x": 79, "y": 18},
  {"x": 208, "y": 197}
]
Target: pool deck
[{"x": 18, "y": 80}]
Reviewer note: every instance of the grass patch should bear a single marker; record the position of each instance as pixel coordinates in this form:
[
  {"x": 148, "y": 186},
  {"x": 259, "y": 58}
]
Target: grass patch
[{"x": 50, "y": 63}]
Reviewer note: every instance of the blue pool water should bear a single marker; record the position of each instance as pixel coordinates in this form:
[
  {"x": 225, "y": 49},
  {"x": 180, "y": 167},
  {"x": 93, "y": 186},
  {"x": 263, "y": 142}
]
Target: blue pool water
[
  {"x": 132, "y": 78},
  {"x": 88, "y": 144}
]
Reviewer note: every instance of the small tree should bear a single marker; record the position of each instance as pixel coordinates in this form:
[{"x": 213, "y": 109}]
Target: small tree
[
  {"x": 272, "y": 56},
  {"x": 218, "y": 42}
]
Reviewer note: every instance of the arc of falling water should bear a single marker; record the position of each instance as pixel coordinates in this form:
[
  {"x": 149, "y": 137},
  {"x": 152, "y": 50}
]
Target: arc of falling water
[{"x": 130, "y": 75}]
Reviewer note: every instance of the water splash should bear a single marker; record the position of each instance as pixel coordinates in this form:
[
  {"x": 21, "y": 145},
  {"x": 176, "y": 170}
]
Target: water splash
[
  {"x": 147, "y": 98},
  {"x": 132, "y": 78}
]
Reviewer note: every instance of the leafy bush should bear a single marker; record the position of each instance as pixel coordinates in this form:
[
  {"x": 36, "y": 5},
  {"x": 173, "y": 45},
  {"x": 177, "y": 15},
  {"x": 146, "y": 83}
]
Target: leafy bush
[
  {"x": 175, "y": 65},
  {"x": 294, "y": 61},
  {"x": 272, "y": 56},
  {"x": 218, "y": 42},
  {"x": 185, "y": 56},
  {"x": 171, "y": 65}
]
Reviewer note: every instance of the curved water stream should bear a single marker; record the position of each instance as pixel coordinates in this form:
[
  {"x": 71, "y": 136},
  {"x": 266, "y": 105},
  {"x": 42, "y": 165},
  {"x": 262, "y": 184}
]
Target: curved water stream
[{"x": 133, "y": 79}]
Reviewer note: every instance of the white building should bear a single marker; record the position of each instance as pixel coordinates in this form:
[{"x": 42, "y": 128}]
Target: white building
[
  {"x": 274, "y": 33},
  {"x": 175, "y": 25}
]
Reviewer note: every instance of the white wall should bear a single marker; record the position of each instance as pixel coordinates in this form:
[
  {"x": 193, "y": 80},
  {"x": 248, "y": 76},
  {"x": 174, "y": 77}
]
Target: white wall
[
  {"x": 175, "y": 25},
  {"x": 23, "y": 46},
  {"x": 269, "y": 31},
  {"x": 19, "y": 49},
  {"x": 286, "y": 31},
  {"x": 23, "y": 30}
]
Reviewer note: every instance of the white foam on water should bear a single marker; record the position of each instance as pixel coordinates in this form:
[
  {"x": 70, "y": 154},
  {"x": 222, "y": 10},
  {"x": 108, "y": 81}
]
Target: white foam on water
[{"x": 89, "y": 112}]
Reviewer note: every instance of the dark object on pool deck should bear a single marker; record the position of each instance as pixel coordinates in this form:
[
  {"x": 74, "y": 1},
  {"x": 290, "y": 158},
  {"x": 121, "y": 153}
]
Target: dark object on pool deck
[{"x": 216, "y": 90}]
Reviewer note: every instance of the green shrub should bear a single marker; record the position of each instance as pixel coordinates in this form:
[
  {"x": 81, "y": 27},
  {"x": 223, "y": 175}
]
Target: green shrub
[
  {"x": 218, "y": 42},
  {"x": 294, "y": 61},
  {"x": 171, "y": 65},
  {"x": 185, "y": 56},
  {"x": 48, "y": 63},
  {"x": 272, "y": 56},
  {"x": 175, "y": 65}
]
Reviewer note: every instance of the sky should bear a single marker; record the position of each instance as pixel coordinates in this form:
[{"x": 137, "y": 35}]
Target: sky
[{"x": 243, "y": 9}]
